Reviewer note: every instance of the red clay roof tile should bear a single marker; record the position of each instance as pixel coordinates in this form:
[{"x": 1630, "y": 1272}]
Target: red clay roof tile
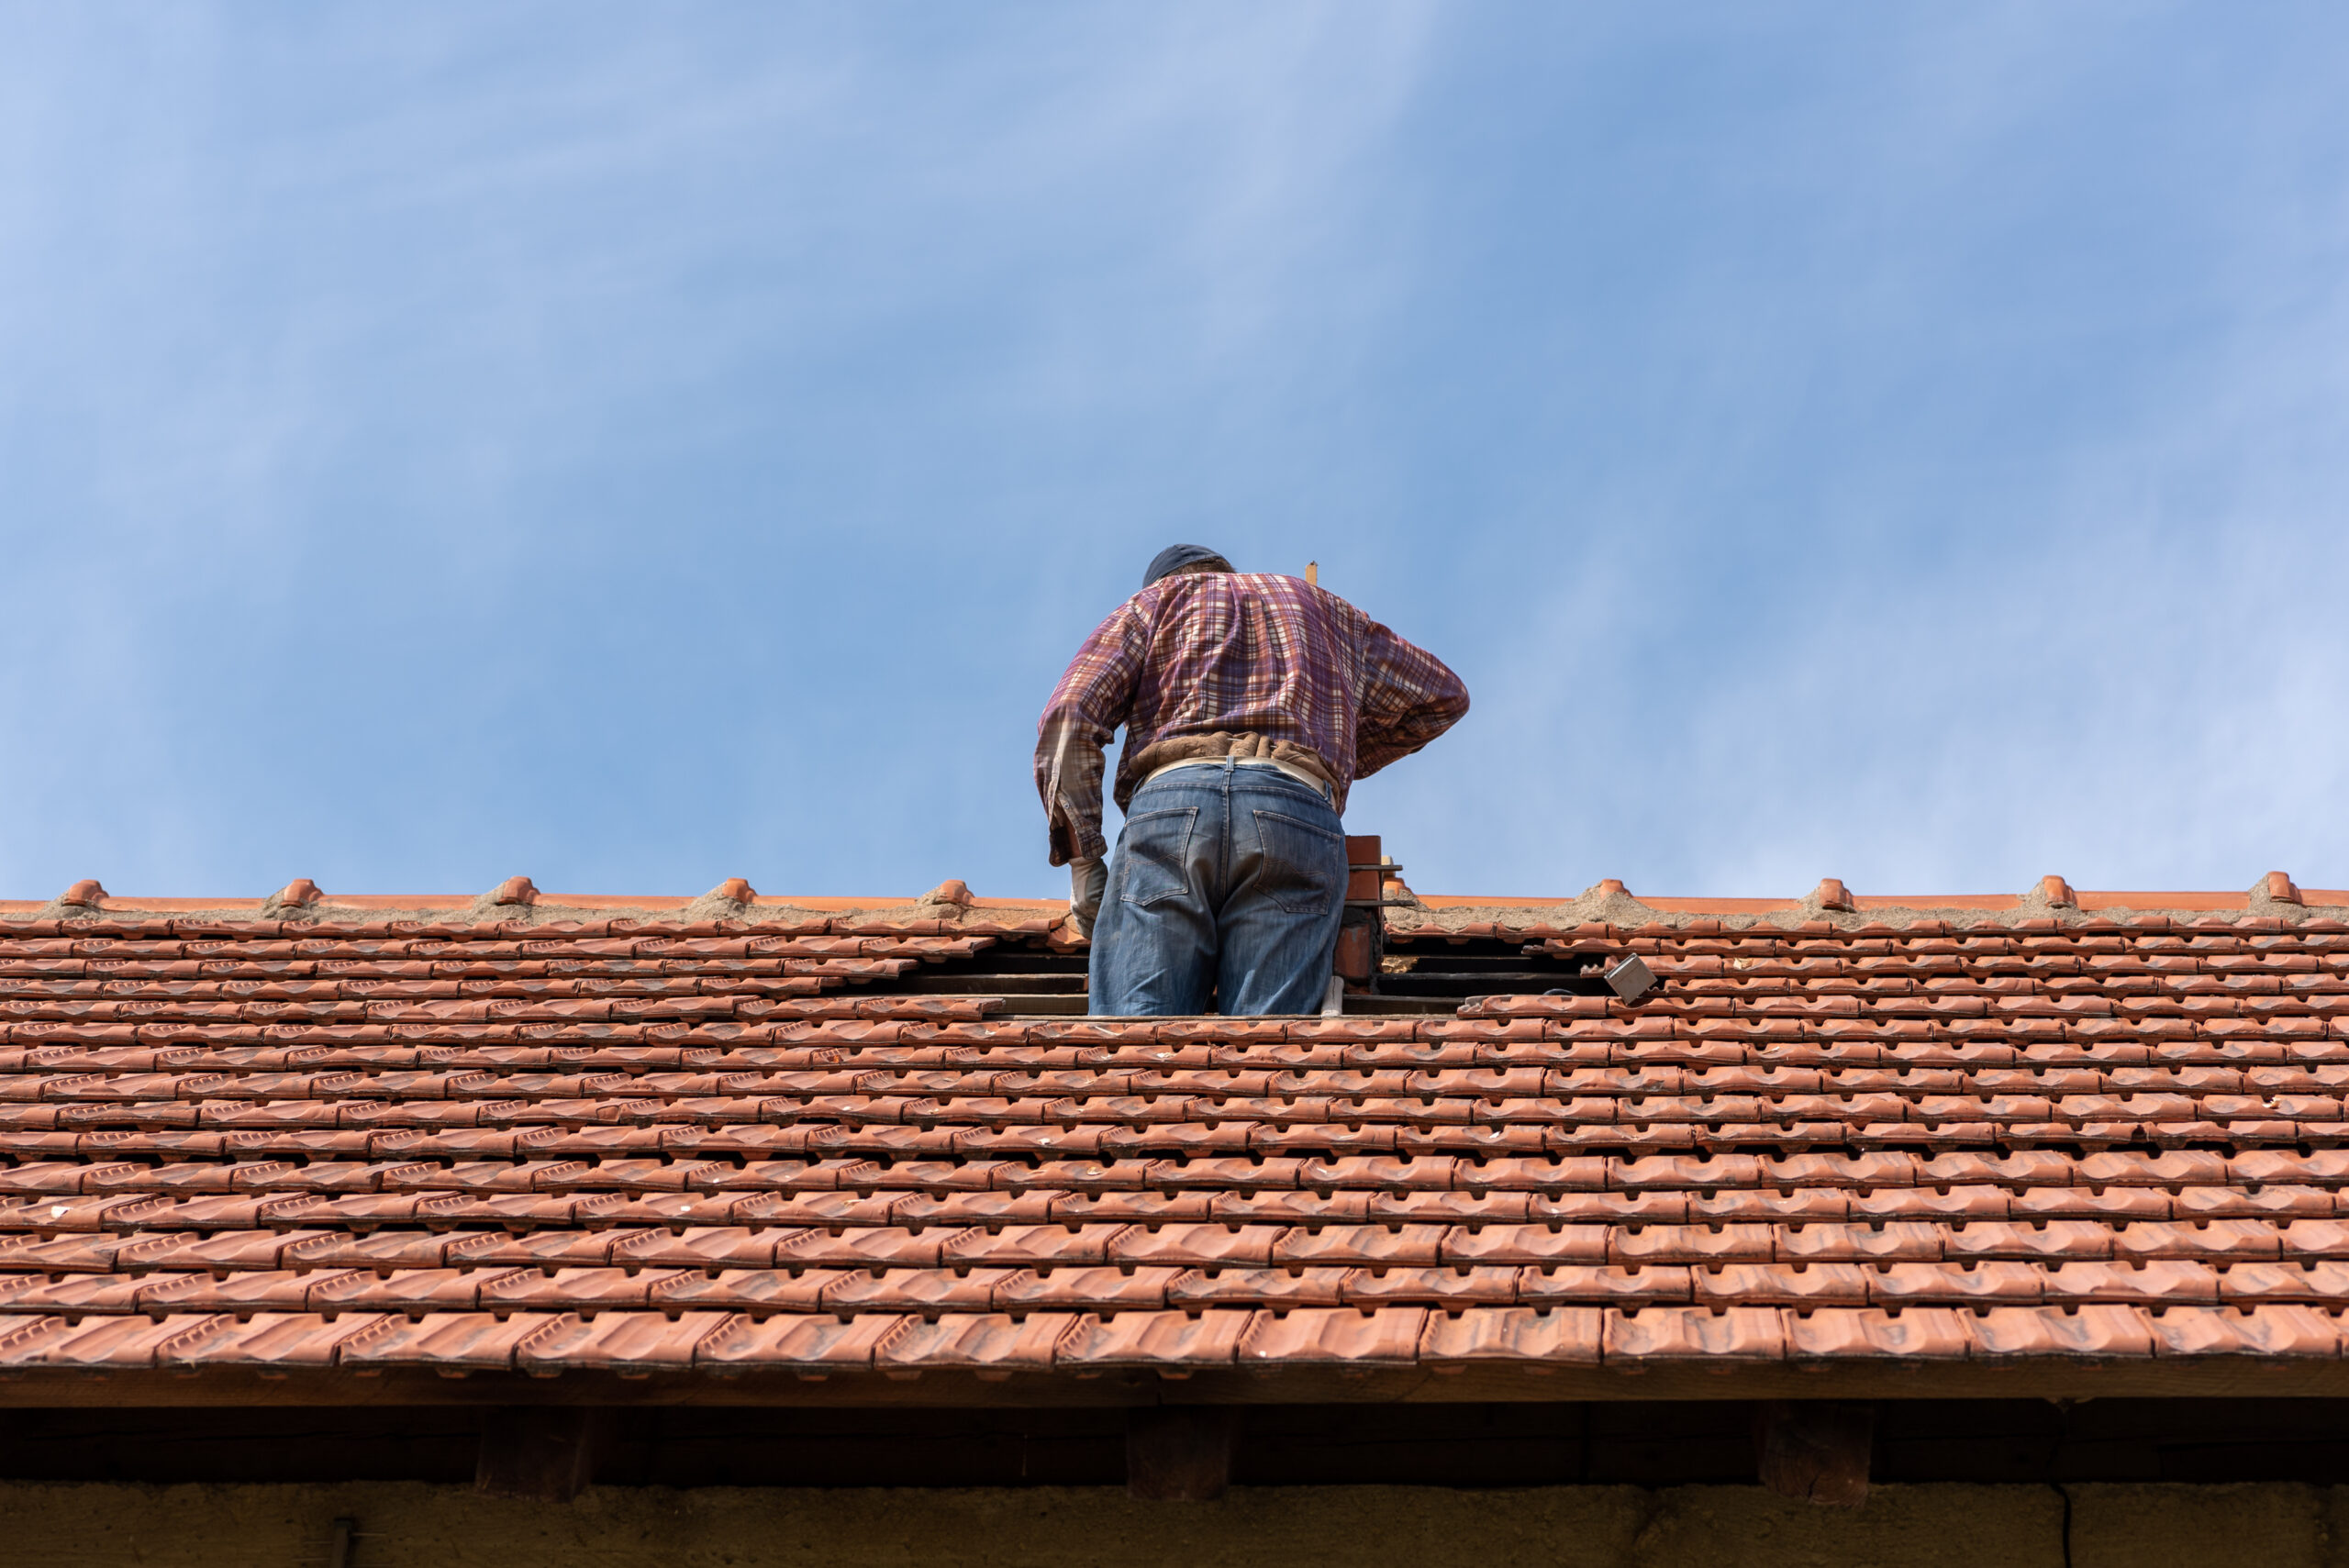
[
  {"x": 619, "y": 1341},
  {"x": 1166, "y": 1341},
  {"x": 272, "y": 1340},
  {"x": 1565, "y": 1335},
  {"x": 2263, "y": 1331},
  {"x": 2051, "y": 1135},
  {"x": 1684, "y": 1333},
  {"x": 97, "y": 1343},
  {"x": 985, "y": 1342},
  {"x": 452, "y": 1340},
  {"x": 1915, "y": 1332},
  {"x": 808, "y": 1345},
  {"x": 1339, "y": 1336}
]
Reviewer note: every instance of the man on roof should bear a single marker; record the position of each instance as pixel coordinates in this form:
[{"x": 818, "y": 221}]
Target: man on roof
[{"x": 1251, "y": 703}]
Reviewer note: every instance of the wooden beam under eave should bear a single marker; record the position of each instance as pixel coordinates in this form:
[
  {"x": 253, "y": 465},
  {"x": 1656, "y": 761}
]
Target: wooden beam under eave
[
  {"x": 1815, "y": 1451},
  {"x": 1180, "y": 1453},
  {"x": 2241, "y": 1378},
  {"x": 539, "y": 1453}
]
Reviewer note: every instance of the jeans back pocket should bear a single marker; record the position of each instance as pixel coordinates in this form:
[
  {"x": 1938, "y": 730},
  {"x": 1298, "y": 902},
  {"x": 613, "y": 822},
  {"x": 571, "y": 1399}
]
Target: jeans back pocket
[
  {"x": 1155, "y": 855},
  {"x": 1303, "y": 870}
]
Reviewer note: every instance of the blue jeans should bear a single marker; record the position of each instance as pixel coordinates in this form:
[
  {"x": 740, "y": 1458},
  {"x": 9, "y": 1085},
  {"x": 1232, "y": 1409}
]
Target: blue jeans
[{"x": 1228, "y": 881}]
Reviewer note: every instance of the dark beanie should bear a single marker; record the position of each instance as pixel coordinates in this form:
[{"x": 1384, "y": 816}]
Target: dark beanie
[{"x": 1176, "y": 557}]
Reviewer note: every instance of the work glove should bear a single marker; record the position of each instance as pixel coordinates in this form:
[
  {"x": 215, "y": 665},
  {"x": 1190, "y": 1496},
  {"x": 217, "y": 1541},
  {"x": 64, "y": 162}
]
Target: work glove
[{"x": 1088, "y": 881}]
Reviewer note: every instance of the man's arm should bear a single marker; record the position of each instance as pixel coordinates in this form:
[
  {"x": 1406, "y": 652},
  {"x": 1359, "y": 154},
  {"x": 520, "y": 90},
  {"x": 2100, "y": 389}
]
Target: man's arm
[
  {"x": 1079, "y": 720},
  {"x": 1409, "y": 699}
]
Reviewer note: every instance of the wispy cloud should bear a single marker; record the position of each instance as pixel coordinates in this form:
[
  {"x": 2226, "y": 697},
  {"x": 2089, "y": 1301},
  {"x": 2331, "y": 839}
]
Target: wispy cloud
[{"x": 636, "y": 446}]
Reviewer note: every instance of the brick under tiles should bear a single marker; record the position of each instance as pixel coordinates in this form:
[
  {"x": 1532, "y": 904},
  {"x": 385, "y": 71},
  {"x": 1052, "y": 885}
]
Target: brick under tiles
[{"x": 538, "y": 1149}]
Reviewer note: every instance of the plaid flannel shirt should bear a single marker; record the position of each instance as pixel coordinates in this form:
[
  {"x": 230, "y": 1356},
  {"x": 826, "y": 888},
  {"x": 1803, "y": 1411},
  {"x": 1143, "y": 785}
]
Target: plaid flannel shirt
[{"x": 1200, "y": 654}]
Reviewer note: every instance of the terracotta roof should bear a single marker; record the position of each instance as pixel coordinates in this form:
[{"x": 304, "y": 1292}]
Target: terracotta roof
[{"x": 750, "y": 1140}]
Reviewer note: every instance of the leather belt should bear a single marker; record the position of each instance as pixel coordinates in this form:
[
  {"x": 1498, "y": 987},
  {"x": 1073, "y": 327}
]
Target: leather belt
[{"x": 1291, "y": 769}]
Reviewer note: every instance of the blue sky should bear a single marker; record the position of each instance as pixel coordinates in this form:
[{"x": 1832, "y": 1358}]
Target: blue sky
[{"x": 637, "y": 445}]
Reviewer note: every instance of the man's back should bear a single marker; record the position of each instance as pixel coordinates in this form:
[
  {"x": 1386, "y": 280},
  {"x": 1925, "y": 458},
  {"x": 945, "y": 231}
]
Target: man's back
[{"x": 1198, "y": 657}]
